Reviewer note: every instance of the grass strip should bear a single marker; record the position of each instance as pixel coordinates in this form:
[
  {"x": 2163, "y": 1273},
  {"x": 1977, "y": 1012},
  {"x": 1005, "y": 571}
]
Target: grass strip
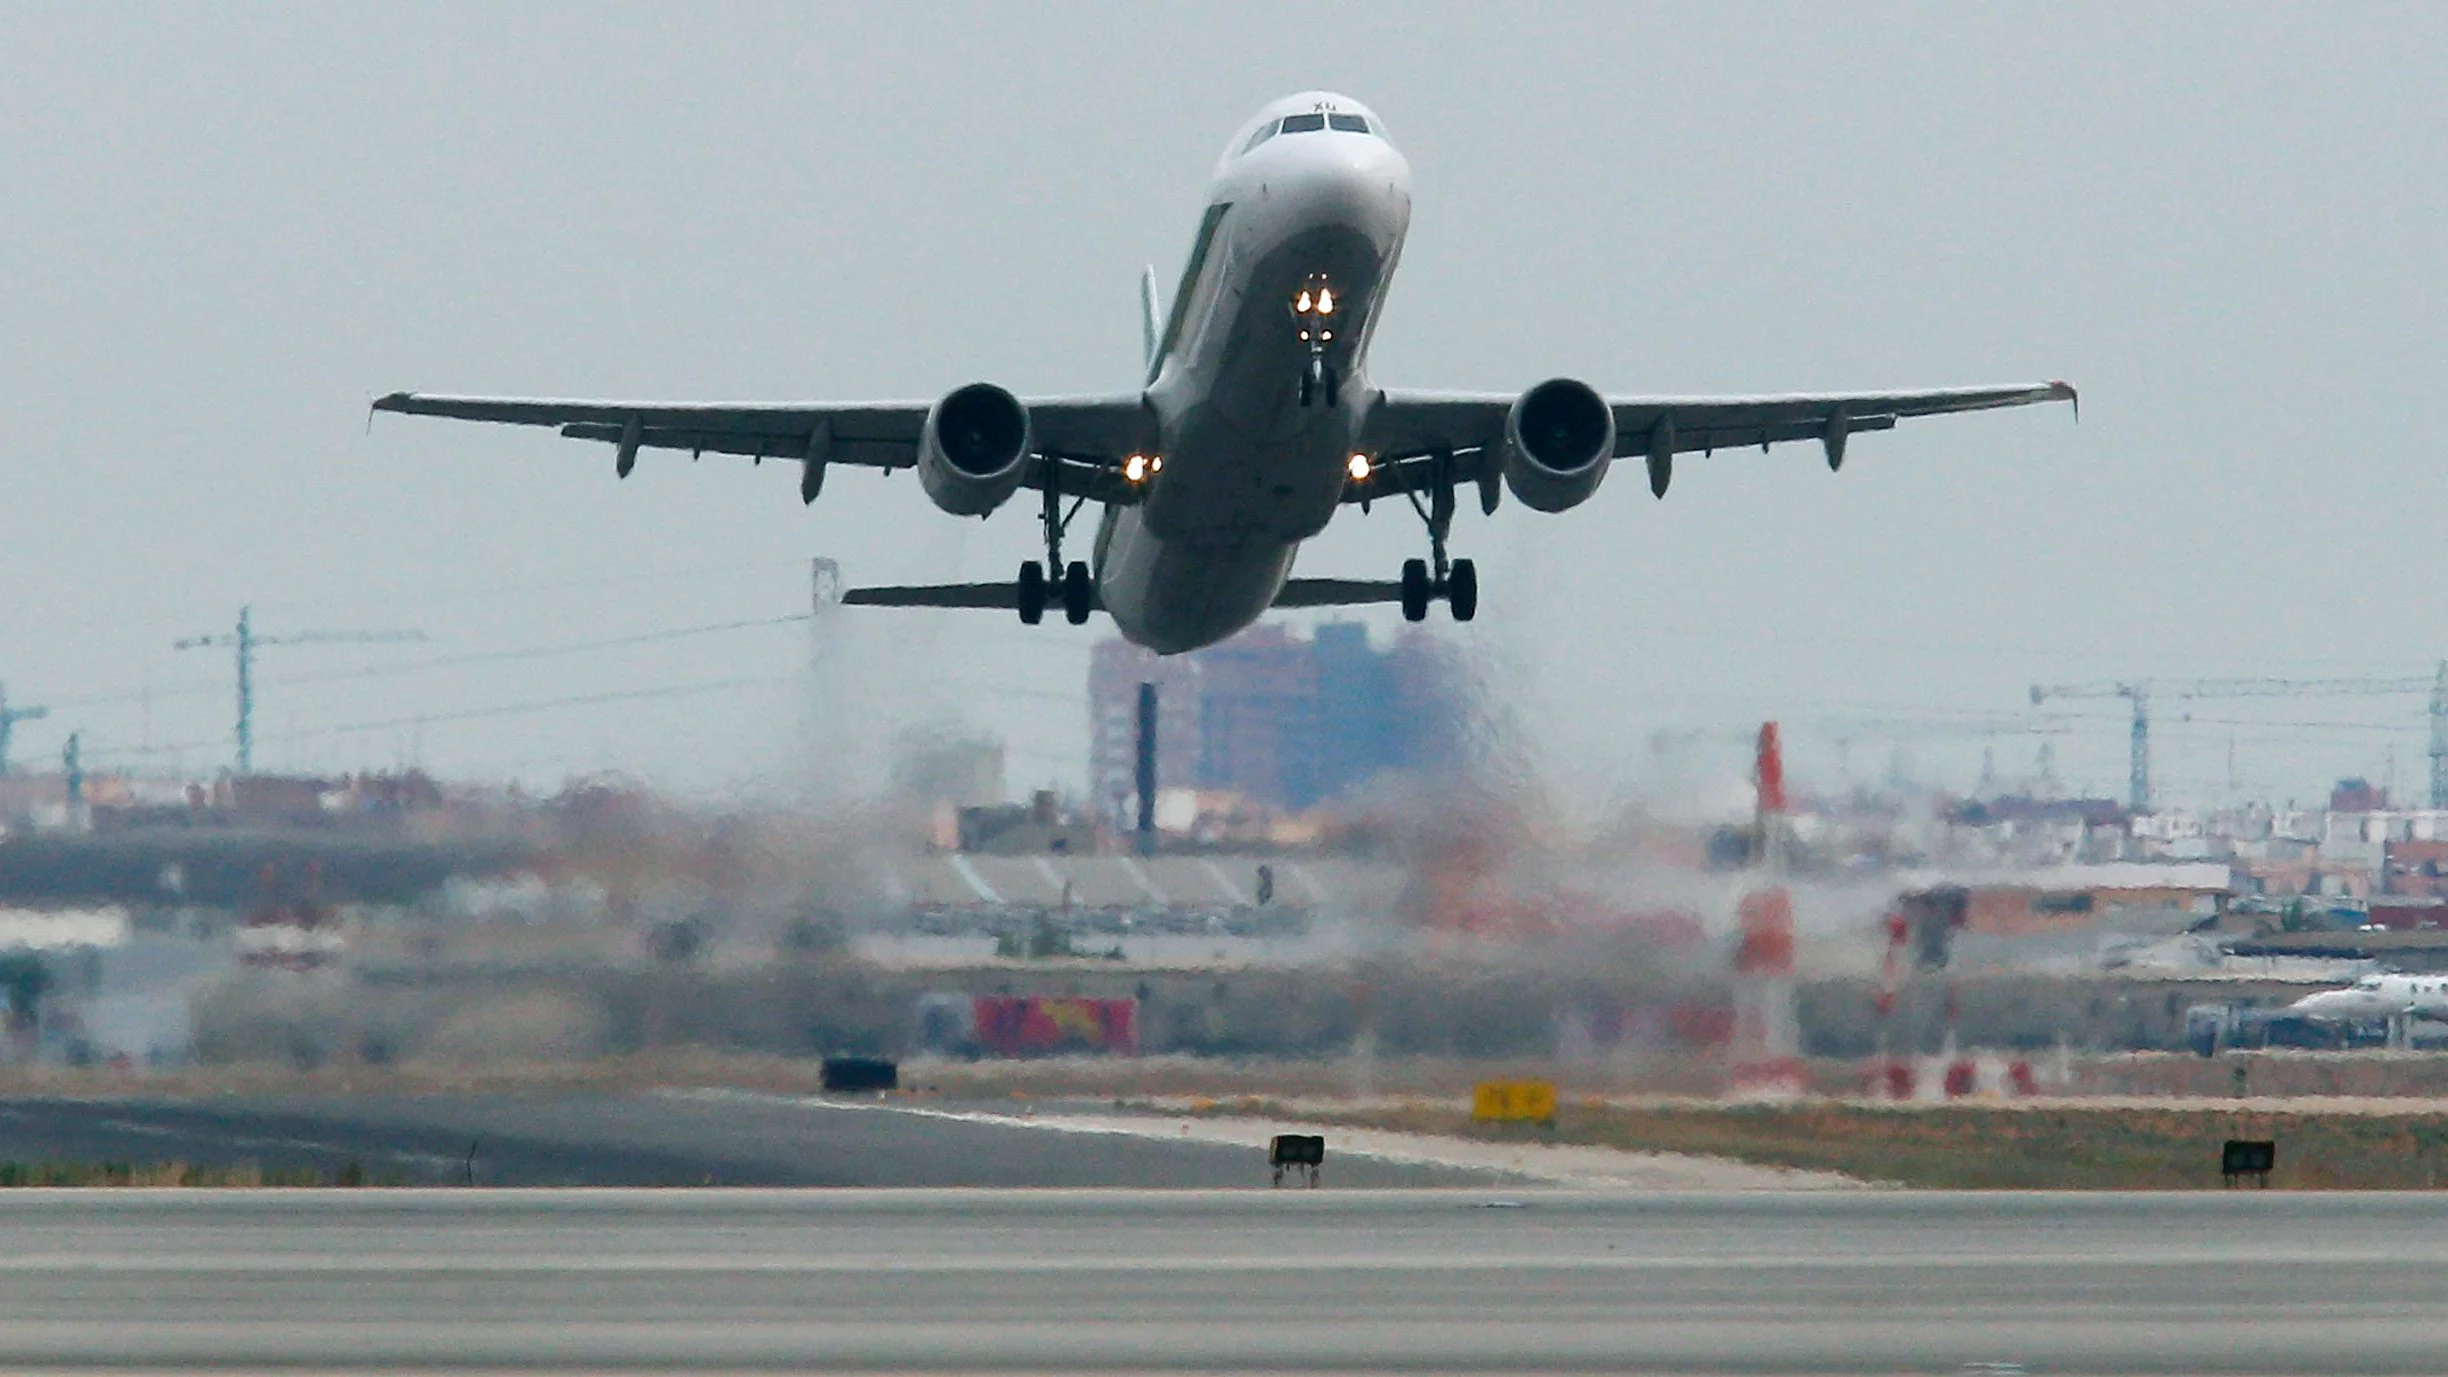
[
  {"x": 1983, "y": 1147},
  {"x": 158, "y": 1174}
]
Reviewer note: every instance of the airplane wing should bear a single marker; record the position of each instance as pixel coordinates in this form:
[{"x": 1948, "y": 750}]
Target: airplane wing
[
  {"x": 1081, "y": 440},
  {"x": 1405, "y": 428}
]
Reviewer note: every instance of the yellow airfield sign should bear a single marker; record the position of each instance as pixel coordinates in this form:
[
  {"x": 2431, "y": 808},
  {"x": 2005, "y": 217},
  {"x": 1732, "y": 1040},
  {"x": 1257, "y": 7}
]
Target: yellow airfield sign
[{"x": 1514, "y": 1101}]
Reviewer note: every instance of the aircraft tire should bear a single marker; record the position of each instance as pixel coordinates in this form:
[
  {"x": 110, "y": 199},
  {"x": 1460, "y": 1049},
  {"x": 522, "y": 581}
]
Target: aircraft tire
[
  {"x": 1415, "y": 590},
  {"x": 1078, "y": 593},
  {"x": 1334, "y": 387},
  {"x": 1030, "y": 592},
  {"x": 1462, "y": 590}
]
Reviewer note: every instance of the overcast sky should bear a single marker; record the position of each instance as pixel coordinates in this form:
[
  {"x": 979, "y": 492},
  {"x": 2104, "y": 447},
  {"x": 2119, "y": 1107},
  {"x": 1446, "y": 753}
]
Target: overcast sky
[{"x": 222, "y": 230}]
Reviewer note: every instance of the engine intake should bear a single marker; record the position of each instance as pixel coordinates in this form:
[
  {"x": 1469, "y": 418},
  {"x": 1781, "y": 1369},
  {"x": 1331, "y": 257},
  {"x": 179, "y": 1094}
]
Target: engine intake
[
  {"x": 1559, "y": 438},
  {"x": 974, "y": 450}
]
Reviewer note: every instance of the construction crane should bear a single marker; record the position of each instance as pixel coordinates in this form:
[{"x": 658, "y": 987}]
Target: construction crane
[
  {"x": 246, "y": 643},
  {"x": 2140, "y": 691},
  {"x": 9, "y": 718}
]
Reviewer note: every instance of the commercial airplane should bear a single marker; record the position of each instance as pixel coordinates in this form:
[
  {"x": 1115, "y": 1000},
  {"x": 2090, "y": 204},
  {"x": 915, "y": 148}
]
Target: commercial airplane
[
  {"x": 2377, "y": 997},
  {"x": 1257, "y": 421}
]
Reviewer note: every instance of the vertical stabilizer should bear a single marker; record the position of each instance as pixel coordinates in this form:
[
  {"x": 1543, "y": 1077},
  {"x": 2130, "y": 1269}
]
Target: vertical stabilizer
[{"x": 1151, "y": 331}]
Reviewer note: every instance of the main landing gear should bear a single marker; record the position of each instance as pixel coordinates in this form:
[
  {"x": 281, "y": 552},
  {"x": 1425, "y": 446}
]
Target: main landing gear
[
  {"x": 1425, "y": 580},
  {"x": 1313, "y": 310},
  {"x": 1071, "y": 586}
]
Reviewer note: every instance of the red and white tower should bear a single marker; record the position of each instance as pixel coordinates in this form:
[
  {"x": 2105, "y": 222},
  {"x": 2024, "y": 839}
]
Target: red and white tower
[{"x": 1766, "y": 1053}]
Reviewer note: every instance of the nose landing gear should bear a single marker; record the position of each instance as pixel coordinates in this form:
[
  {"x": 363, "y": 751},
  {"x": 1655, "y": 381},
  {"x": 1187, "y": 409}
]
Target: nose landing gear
[
  {"x": 1313, "y": 309},
  {"x": 1425, "y": 580}
]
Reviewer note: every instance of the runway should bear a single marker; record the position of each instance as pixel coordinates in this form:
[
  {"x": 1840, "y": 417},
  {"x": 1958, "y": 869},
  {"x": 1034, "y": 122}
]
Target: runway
[
  {"x": 611, "y": 1139},
  {"x": 1469, "y": 1280}
]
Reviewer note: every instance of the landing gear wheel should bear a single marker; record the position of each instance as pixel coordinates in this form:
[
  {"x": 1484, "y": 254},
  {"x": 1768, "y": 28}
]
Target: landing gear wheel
[
  {"x": 1415, "y": 590},
  {"x": 1031, "y": 590},
  {"x": 1310, "y": 378},
  {"x": 1078, "y": 594},
  {"x": 1334, "y": 386},
  {"x": 1462, "y": 590}
]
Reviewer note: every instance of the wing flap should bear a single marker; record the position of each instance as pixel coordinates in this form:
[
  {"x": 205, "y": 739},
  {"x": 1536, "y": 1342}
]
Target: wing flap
[
  {"x": 898, "y": 420},
  {"x": 1403, "y": 425},
  {"x": 1629, "y": 444},
  {"x": 1081, "y": 440},
  {"x": 884, "y": 454}
]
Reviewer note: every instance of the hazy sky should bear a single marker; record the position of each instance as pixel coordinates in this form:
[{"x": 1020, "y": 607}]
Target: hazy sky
[{"x": 224, "y": 229}]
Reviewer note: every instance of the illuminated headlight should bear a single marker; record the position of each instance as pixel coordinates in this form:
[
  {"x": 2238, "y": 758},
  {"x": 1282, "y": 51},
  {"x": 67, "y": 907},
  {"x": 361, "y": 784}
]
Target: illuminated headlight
[
  {"x": 1359, "y": 468},
  {"x": 1135, "y": 468}
]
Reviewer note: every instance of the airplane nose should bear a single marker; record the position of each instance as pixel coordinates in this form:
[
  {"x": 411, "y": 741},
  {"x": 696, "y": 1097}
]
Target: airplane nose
[{"x": 1353, "y": 181}]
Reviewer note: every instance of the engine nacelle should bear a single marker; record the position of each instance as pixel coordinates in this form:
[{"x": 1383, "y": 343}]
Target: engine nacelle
[
  {"x": 1558, "y": 440},
  {"x": 974, "y": 450}
]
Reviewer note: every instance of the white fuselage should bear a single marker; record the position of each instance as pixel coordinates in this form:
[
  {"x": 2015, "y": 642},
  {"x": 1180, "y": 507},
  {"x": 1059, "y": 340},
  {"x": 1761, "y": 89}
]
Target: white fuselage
[
  {"x": 1248, "y": 469},
  {"x": 2380, "y": 996}
]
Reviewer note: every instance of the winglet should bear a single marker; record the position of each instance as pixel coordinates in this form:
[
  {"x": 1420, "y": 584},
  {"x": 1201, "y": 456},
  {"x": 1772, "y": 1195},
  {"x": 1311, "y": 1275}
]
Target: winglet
[
  {"x": 2061, "y": 390},
  {"x": 1150, "y": 333}
]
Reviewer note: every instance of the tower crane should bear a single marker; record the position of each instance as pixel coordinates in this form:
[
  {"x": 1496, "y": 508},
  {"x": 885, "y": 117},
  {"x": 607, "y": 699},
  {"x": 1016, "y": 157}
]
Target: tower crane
[
  {"x": 246, "y": 643},
  {"x": 9, "y": 718},
  {"x": 2140, "y": 691}
]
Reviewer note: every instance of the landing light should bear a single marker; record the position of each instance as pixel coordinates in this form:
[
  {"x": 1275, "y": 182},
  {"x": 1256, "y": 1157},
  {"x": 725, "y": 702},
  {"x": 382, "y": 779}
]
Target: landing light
[
  {"x": 1135, "y": 468},
  {"x": 1301, "y": 303},
  {"x": 1359, "y": 468},
  {"x": 1325, "y": 301}
]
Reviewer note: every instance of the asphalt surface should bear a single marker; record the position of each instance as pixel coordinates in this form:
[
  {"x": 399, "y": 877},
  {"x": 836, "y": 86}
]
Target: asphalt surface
[
  {"x": 1477, "y": 1280},
  {"x": 707, "y": 1139}
]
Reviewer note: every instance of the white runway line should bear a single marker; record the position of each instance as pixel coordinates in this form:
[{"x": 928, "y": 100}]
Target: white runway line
[{"x": 1569, "y": 1165}]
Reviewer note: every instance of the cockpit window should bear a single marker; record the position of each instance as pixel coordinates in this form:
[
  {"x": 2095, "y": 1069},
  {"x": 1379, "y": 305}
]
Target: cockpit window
[
  {"x": 1303, "y": 124},
  {"x": 1265, "y": 132},
  {"x": 1349, "y": 124},
  {"x": 2369, "y": 982}
]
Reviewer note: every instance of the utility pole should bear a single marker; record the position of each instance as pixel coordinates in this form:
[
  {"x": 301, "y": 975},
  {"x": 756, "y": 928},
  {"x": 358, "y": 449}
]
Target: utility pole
[
  {"x": 246, "y": 643},
  {"x": 10, "y": 717},
  {"x": 2439, "y": 738},
  {"x": 1147, "y": 769},
  {"x": 2137, "y": 749},
  {"x": 2139, "y": 692},
  {"x": 2137, "y": 778}
]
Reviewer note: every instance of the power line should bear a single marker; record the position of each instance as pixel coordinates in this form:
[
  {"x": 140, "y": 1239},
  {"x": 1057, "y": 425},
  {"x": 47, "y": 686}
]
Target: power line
[
  {"x": 2399, "y": 729},
  {"x": 473, "y": 714},
  {"x": 246, "y": 642},
  {"x": 542, "y": 652},
  {"x": 539, "y": 705},
  {"x": 202, "y": 690},
  {"x": 144, "y": 695}
]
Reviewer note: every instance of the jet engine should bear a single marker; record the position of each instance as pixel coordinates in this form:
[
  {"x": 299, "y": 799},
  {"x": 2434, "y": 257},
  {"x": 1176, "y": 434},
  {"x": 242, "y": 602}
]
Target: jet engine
[
  {"x": 1558, "y": 440},
  {"x": 974, "y": 450}
]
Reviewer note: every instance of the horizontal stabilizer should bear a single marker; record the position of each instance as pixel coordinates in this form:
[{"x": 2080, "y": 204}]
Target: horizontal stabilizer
[
  {"x": 1003, "y": 597},
  {"x": 1000, "y": 596},
  {"x": 1338, "y": 592}
]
